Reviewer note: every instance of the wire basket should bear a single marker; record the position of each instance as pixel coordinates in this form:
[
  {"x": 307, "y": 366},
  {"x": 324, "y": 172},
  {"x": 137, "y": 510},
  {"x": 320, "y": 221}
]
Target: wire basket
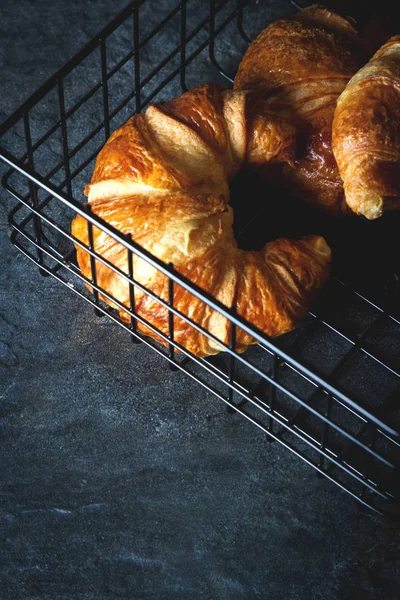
[{"x": 328, "y": 391}]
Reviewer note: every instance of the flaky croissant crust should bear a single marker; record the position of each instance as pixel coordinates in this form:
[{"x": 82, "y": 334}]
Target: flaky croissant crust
[
  {"x": 366, "y": 134},
  {"x": 163, "y": 178}
]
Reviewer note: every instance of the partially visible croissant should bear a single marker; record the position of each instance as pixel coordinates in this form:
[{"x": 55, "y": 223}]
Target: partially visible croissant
[
  {"x": 366, "y": 134},
  {"x": 299, "y": 67},
  {"x": 163, "y": 178}
]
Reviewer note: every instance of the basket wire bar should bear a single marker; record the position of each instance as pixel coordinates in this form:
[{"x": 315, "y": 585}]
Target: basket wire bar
[
  {"x": 240, "y": 6},
  {"x": 93, "y": 266},
  {"x": 211, "y": 46},
  {"x": 313, "y": 425},
  {"x": 104, "y": 84},
  {"x": 231, "y": 359},
  {"x": 171, "y": 313},
  {"x": 33, "y": 189},
  {"x": 133, "y": 322}
]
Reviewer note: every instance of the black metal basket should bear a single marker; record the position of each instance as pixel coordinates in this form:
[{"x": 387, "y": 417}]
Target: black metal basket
[{"x": 328, "y": 391}]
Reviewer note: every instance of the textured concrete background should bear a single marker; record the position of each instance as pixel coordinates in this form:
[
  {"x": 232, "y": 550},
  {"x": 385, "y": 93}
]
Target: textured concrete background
[{"x": 120, "y": 479}]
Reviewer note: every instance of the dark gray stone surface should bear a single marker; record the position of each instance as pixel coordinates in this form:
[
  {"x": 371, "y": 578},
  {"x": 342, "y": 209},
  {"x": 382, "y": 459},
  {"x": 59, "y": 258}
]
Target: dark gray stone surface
[{"x": 120, "y": 479}]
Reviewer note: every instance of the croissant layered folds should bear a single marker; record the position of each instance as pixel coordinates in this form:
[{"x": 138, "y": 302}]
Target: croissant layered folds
[
  {"x": 366, "y": 134},
  {"x": 163, "y": 178},
  {"x": 298, "y": 68}
]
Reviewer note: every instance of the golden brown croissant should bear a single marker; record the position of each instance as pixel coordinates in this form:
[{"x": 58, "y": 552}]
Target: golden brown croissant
[
  {"x": 366, "y": 134},
  {"x": 163, "y": 178},
  {"x": 300, "y": 67}
]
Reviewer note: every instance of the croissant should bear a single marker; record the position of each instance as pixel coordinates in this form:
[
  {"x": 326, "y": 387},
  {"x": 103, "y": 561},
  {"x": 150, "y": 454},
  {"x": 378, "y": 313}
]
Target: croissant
[
  {"x": 299, "y": 67},
  {"x": 366, "y": 134},
  {"x": 163, "y": 178}
]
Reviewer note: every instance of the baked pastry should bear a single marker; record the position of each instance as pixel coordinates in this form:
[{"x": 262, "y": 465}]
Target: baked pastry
[
  {"x": 366, "y": 134},
  {"x": 299, "y": 67},
  {"x": 163, "y": 179}
]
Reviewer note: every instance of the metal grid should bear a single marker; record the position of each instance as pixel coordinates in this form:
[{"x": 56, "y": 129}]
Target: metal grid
[{"x": 303, "y": 389}]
